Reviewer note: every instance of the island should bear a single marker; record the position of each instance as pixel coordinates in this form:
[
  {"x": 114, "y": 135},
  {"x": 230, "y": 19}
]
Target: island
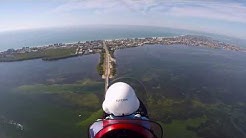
[
  {"x": 199, "y": 110},
  {"x": 66, "y": 50}
]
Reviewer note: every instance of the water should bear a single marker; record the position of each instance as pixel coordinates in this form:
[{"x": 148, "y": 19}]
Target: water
[
  {"x": 182, "y": 69},
  {"x": 192, "y": 91},
  {"x": 38, "y": 71},
  {"x": 30, "y": 38},
  {"x": 173, "y": 73},
  {"x": 183, "y": 82},
  {"x": 74, "y": 34},
  {"x": 45, "y": 114}
]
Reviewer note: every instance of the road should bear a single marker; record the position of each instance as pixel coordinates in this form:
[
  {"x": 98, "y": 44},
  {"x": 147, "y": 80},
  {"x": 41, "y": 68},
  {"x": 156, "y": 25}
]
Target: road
[{"x": 106, "y": 66}]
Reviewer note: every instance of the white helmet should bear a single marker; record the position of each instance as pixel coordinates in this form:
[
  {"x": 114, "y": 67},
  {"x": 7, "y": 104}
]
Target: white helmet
[{"x": 120, "y": 99}]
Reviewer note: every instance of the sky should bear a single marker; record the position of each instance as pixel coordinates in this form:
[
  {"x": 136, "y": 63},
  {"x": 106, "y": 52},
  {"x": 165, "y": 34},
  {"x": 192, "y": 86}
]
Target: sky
[{"x": 227, "y": 17}]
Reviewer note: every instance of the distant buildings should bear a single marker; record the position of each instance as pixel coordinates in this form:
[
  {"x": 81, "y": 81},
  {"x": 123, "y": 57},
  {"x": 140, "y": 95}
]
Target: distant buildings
[{"x": 95, "y": 46}]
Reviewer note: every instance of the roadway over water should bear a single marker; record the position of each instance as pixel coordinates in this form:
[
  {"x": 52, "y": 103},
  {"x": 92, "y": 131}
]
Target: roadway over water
[{"x": 107, "y": 66}]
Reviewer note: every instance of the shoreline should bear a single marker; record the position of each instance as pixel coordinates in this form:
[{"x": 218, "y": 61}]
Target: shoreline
[{"x": 65, "y": 50}]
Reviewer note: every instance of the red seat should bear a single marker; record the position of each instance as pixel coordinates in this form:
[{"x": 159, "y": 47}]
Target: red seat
[{"x": 124, "y": 130}]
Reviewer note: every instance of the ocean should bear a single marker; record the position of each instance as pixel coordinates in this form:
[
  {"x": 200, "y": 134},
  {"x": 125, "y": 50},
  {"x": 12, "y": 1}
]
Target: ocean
[{"x": 41, "y": 37}]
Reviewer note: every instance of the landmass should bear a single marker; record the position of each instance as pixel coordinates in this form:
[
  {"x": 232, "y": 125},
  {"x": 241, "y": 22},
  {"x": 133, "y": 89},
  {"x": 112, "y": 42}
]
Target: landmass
[
  {"x": 62, "y": 50},
  {"x": 192, "y": 117}
]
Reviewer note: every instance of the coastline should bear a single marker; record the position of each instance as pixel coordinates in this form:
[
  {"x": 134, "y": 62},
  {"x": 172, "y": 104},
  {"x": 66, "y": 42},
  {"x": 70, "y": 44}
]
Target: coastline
[{"x": 65, "y": 50}]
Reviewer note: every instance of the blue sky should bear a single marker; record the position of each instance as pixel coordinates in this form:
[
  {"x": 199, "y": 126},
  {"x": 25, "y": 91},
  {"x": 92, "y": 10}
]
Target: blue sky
[{"x": 226, "y": 17}]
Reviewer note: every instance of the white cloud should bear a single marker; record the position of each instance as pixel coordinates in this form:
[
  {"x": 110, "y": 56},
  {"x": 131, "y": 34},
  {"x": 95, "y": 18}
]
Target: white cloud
[
  {"x": 226, "y": 11},
  {"x": 131, "y": 12},
  {"x": 93, "y": 5}
]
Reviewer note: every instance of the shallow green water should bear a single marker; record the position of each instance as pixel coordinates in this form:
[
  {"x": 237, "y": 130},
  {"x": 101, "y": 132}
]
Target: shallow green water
[
  {"x": 48, "y": 97},
  {"x": 198, "y": 86},
  {"x": 189, "y": 83}
]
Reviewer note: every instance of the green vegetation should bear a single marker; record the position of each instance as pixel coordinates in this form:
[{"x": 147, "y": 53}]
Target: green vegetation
[
  {"x": 59, "y": 53},
  {"x": 79, "y": 87},
  {"x": 94, "y": 116},
  {"x": 22, "y": 56},
  {"x": 173, "y": 109},
  {"x": 50, "y": 116},
  {"x": 100, "y": 68},
  {"x": 113, "y": 70},
  {"x": 178, "y": 128},
  {"x": 81, "y": 94},
  {"x": 46, "y": 54},
  {"x": 222, "y": 121},
  {"x": 82, "y": 100},
  {"x": 184, "y": 108},
  {"x": 85, "y": 124},
  {"x": 111, "y": 52},
  {"x": 69, "y": 107},
  {"x": 192, "y": 118}
]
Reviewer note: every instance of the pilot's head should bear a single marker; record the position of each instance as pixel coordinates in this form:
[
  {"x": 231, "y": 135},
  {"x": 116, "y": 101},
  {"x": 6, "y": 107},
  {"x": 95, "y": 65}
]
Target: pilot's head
[{"x": 120, "y": 100}]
